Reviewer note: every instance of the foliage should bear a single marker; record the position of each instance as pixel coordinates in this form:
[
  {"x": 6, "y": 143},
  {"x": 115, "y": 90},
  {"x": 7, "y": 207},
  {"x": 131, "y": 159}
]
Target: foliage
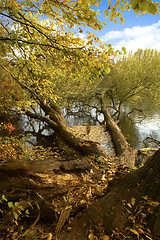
[
  {"x": 9, "y": 91},
  {"x": 11, "y": 147},
  {"x": 134, "y": 78},
  {"x": 117, "y": 8},
  {"x": 14, "y": 148},
  {"x": 6, "y": 126},
  {"x": 16, "y": 209},
  {"x": 41, "y": 54},
  {"x": 13, "y": 213},
  {"x": 137, "y": 220},
  {"x": 44, "y": 59}
]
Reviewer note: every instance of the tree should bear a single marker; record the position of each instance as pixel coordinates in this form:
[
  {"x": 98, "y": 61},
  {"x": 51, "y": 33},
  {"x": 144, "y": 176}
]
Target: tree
[
  {"x": 133, "y": 79},
  {"x": 38, "y": 57},
  {"x": 40, "y": 54}
]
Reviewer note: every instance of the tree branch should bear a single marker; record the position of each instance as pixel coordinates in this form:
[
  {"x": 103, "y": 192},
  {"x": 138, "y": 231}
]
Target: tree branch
[{"x": 42, "y": 118}]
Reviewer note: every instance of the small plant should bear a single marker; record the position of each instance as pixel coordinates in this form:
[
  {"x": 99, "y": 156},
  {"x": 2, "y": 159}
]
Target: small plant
[
  {"x": 15, "y": 210},
  {"x": 101, "y": 162},
  {"x": 12, "y": 147},
  {"x": 6, "y": 126}
]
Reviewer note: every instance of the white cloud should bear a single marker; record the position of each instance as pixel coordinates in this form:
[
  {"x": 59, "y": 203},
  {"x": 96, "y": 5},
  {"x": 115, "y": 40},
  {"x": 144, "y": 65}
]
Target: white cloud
[
  {"x": 135, "y": 37},
  {"x": 112, "y": 35},
  {"x": 82, "y": 36}
]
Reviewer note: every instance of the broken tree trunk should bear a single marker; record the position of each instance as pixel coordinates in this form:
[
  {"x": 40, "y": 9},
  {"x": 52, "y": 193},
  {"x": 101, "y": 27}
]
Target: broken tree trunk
[{"x": 110, "y": 212}]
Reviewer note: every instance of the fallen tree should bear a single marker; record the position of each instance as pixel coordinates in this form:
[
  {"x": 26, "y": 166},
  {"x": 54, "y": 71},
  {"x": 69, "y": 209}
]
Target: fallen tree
[
  {"x": 56, "y": 121},
  {"x": 118, "y": 208}
]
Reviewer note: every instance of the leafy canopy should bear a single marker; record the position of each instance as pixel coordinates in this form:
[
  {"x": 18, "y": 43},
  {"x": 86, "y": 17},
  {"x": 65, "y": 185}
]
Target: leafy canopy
[
  {"x": 118, "y": 7},
  {"x": 135, "y": 78},
  {"x": 42, "y": 59}
]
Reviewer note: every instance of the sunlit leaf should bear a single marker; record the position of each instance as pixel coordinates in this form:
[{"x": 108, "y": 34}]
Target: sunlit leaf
[
  {"x": 134, "y": 231},
  {"x": 91, "y": 236},
  {"x": 15, "y": 215},
  {"x": 154, "y": 204},
  {"x": 4, "y": 198},
  {"x": 152, "y": 9},
  {"x": 133, "y": 200},
  {"x": 129, "y": 205},
  {"x": 10, "y": 204}
]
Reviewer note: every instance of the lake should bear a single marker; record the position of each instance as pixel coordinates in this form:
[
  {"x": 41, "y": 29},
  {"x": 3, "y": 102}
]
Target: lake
[{"x": 135, "y": 128}]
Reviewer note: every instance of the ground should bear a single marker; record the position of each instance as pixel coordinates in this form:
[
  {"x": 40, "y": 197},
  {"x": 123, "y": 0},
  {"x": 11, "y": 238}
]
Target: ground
[
  {"x": 97, "y": 134},
  {"x": 49, "y": 192},
  {"x": 44, "y": 192}
]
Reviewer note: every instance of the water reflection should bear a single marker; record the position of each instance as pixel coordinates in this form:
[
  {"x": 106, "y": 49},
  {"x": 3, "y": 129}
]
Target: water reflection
[
  {"x": 135, "y": 128},
  {"x": 139, "y": 128}
]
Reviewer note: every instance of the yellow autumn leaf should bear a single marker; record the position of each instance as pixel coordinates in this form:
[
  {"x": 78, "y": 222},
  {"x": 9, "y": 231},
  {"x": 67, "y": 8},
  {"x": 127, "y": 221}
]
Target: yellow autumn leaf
[
  {"x": 134, "y": 231},
  {"x": 133, "y": 200},
  {"x": 154, "y": 204},
  {"x": 91, "y": 236},
  {"x": 105, "y": 237},
  {"x": 104, "y": 23},
  {"x": 92, "y": 35},
  {"x": 129, "y": 205}
]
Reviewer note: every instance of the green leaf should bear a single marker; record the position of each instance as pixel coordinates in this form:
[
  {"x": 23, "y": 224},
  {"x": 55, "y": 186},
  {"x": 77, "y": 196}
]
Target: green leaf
[
  {"x": 110, "y": 51},
  {"x": 106, "y": 12},
  {"x": 16, "y": 204},
  {"x": 4, "y": 198},
  {"x": 40, "y": 196},
  {"x": 151, "y": 8},
  {"x": 124, "y": 50},
  {"x": 107, "y": 70},
  {"x": 15, "y": 215},
  {"x": 21, "y": 207},
  {"x": 134, "y": 4},
  {"x": 27, "y": 212},
  {"x": 30, "y": 205},
  {"x": 128, "y": 211},
  {"x": 143, "y": 6},
  {"x": 37, "y": 205},
  {"x": 10, "y": 204},
  {"x": 93, "y": 2}
]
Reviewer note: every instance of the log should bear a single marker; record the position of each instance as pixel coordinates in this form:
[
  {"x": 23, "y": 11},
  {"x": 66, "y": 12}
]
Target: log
[{"x": 110, "y": 212}]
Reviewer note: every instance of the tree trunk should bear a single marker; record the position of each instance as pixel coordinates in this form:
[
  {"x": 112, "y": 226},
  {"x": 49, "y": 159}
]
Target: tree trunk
[
  {"x": 58, "y": 123},
  {"x": 124, "y": 152},
  {"x": 110, "y": 211}
]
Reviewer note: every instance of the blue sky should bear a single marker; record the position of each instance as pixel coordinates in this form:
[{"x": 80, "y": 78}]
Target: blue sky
[{"x": 136, "y": 32}]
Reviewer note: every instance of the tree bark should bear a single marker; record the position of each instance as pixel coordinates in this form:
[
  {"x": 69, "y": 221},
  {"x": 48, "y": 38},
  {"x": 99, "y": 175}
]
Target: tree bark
[
  {"x": 58, "y": 123},
  {"x": 110, "y": 212},
  {"x": 124, "y": 152},
  {"x": 126, "y": 155}
]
